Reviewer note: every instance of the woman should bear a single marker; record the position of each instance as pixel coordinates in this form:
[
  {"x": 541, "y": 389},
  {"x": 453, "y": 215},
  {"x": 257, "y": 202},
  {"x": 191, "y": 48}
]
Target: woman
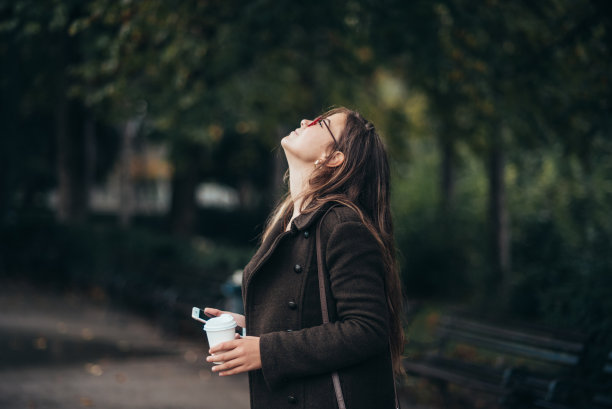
[{"x": 338, "y": 178}]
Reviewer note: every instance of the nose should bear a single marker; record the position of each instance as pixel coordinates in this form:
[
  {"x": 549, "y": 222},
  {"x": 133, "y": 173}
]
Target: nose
[{"x": 303, "y": 123}]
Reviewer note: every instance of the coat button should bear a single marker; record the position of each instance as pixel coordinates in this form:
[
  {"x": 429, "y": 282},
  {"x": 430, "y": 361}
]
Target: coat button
[
  {"x": 298, "y": 268},
  {"x": 292, "y": 305},
  {"x": 306, "y": 234},
  {"x": 291, "y": 399}
]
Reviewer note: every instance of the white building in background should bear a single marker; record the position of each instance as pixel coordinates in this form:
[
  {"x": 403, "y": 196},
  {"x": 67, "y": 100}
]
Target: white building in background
[
  {"x": 150, "y": 175},
  {"x": 216, "y": 195}
]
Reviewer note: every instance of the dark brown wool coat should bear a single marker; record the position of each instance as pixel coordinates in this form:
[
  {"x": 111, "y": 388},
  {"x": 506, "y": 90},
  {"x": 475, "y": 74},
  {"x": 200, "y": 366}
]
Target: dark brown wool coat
[{"x": 282, "y": 306}]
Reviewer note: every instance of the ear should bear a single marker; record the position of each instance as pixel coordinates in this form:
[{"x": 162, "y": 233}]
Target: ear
[{"x": 336, "y": 160}]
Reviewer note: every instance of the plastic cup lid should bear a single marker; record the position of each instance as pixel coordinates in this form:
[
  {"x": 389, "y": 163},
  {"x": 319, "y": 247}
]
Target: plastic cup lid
[{"x": 220, "y": 323}]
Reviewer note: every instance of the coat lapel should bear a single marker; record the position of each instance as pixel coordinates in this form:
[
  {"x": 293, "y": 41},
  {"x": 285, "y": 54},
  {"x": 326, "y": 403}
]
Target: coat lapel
[
  {"x": 300, "y": 223},
  {"x": 263, "y": 252}
]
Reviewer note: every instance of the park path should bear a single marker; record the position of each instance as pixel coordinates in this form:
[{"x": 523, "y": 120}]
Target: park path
[{"x": 64, "y": 351}]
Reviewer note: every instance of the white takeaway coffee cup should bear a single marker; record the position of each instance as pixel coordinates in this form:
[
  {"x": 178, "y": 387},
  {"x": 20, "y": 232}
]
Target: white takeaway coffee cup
[{"x": 220, "y": 329}]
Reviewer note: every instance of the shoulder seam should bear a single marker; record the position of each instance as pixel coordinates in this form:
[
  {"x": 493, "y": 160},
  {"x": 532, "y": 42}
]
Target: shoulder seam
[{"x": 345, "y": 214}]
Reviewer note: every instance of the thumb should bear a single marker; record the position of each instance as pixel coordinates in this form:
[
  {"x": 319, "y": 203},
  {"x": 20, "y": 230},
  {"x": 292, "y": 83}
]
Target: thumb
[{"x": 212, "y": 312}]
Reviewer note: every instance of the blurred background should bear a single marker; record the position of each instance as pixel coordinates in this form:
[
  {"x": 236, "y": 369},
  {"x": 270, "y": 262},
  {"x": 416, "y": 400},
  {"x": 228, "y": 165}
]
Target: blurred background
[{"x": 139, "y": 159}]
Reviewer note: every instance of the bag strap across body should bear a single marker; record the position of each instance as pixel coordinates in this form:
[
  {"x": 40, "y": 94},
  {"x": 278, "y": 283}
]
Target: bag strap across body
[{"x": 325, "y": 313}]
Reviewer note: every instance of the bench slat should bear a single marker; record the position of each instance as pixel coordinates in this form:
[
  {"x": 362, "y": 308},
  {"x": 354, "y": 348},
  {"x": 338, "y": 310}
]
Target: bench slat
[
  {"x": 518, "y": 349},
  {"x": 513, "y": 335},
  {"x": 428, "y": 371},
  {"x": 546, "y": 359}
]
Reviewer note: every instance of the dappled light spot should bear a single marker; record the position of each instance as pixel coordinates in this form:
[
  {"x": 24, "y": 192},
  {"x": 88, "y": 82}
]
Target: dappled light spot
[
  {"x": 191, "y": 356},
  {"x": 87, "y": 334},
  {"x": 40, "y": 343},
  {"x": 94, "y": 369},
  {"x": 61, "y": 327},
  {"x": 85, "y": 401}
]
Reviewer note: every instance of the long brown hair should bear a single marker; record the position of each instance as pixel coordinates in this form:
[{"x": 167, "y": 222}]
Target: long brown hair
[{"x": 361, "y": 182}]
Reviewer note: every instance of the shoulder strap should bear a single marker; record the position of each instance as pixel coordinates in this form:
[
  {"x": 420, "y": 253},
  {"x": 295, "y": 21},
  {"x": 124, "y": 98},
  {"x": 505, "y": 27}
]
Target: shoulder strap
[
  {"x": 325, "y": 312},
  {"x": 321, "y": 271}
]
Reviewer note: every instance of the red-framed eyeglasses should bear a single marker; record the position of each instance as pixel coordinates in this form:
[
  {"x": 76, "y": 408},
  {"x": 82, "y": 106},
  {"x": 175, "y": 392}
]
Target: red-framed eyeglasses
[{"x": 321, "y": 121}]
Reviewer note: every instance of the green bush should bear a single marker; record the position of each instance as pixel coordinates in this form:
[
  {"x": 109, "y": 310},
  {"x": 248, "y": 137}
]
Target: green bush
[
  {"x": 560, "y": 233},
  {"x": 441, "y": 254}
]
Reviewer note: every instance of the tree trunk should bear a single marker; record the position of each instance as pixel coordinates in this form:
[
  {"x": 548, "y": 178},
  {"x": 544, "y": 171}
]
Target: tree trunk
[
  {"x": 72, "y": 203},
  {"x": 72, "y": 190},
  {"x": 183, "y": 213},
  {"x": 80, "y": 187},
  {"x": 246, "y": 196},
  {"x": 64, "y": 185},
  {"x": 89, "y": 130},
  {"x": 499, "y": 222},
  {"x": 126, "y": 189},
  {"x": 447, "y": 175}
]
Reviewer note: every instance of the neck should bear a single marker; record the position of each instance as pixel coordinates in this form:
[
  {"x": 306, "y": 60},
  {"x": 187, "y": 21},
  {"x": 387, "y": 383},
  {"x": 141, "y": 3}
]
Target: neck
[{"x": 298, "y": 182}]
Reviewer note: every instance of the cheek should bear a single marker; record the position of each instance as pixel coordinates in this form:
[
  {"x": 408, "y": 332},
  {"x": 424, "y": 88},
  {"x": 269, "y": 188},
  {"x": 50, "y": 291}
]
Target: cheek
[
  {"x": 307, "y": 147},
  {"x": 316, "y": 141}
]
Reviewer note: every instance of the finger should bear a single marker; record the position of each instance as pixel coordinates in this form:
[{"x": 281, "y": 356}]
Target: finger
[
  {"x": 227, "y": 364},
  {"x": 237, "y": 336},
  {"x": 224, "y": 346},
  {"x": 224, "y": 356},
  {"x": 233, "y": 371},
  {"x": 230, "y": 365}
]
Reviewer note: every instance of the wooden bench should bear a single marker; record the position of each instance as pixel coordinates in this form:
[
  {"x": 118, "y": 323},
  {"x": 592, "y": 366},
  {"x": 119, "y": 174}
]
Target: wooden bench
[
  {"x": 592, "y": 392},
  {"x": 516, "y": 365},
  {"x": 602, "y": 395}
]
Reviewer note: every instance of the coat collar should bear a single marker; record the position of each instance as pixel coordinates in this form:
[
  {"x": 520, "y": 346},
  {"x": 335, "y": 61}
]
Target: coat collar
[
  {"x": 301, "y": 223},
  {"x": 305, "y": 221}
]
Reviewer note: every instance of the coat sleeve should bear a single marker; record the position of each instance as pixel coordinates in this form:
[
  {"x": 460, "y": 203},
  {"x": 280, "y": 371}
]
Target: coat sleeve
[{"x": 356, "y": 273}]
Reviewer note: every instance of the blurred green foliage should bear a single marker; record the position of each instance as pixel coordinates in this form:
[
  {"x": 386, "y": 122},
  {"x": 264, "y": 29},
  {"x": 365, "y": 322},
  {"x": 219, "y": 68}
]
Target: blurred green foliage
[
  {"x": 441, "y": 254},
  {"x": 562, "y": 239},
  {"x": 561, "y": 234},
  {"x": 458, "y": 89}
]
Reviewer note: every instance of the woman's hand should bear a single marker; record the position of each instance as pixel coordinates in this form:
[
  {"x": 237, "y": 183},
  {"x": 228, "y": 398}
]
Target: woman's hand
[
  {"x": 239, "y": 355},
  {"x": 213, "y": 312}
]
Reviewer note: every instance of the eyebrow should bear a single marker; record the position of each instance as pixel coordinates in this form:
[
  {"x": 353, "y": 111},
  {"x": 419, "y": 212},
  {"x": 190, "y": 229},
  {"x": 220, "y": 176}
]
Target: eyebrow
[{"x": 320, "y": 121}]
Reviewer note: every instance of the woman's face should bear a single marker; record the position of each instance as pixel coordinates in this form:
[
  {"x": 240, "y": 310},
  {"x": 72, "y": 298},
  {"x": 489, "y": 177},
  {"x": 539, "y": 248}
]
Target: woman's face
[{"x": 313, "y": 140}]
